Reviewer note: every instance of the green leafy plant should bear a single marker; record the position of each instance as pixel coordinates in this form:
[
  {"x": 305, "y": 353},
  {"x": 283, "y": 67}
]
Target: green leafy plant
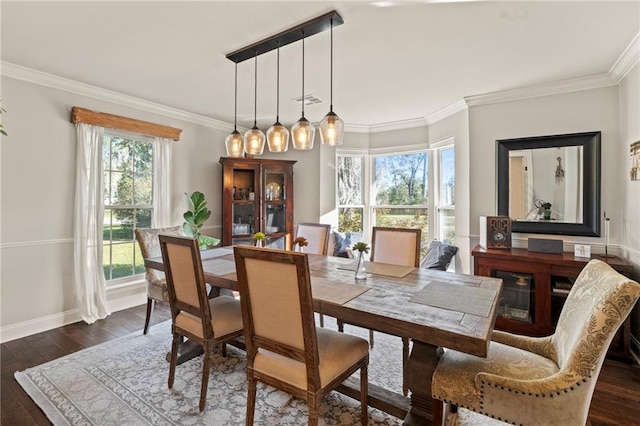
[
  {"x": 195, "y": 219},
  {"x": 259, "y": 236},
  {"x": 361, "y": 247}
]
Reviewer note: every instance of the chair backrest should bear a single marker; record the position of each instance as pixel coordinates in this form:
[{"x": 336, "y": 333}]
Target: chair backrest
[
  {"x": 188, "y": 298},
  {"x": 150, "y": 246},
  {"x": 598, "y": 303},
  {"x": 397, "y": 246},
  {"x": 317, "y": 235},
  {"x": 277, "y": 306}
]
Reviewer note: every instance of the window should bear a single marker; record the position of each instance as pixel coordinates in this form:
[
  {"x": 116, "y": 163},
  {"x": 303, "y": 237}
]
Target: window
[
  {"x": 394, "y": 190},
  {"x": 446, "y": 195},
  {"x": 128, "y": 201}
]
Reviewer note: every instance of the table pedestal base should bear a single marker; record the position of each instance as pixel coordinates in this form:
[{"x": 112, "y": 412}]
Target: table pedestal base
[{"x": 419, "y": 370}]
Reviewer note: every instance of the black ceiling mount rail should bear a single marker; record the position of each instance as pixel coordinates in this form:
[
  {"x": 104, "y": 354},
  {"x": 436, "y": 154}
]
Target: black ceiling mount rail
[{"x": 293, "y": 34}]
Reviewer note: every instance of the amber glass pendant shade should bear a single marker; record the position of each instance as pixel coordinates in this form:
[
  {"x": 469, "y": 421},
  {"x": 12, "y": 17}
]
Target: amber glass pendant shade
[{"x": 303, "y": 133}]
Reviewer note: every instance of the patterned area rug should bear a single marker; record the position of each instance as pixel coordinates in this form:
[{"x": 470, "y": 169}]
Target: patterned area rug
[{"x": 124, "y": 382}]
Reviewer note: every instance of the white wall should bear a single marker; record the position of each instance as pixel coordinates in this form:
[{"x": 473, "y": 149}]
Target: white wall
[
  {"x": 582, "y": 111},
  {"x": 629, "y": 110}
]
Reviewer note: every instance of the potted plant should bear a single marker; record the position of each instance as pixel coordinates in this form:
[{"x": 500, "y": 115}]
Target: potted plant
[
  {"x": 298, "y": 243},
  {"x": 362, "y": 248},
  {"x": 259, "y": 238},
  {"x": 195, "y": 219}
]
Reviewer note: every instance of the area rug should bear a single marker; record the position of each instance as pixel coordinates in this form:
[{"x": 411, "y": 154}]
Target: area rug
[{"x": 124, "y": 382}]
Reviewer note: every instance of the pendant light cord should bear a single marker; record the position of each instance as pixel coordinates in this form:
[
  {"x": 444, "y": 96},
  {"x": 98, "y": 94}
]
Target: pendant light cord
[
  {"x": 302, "y": 100},
  {"x": 235, "y": 102},
  {"x": 255, "y": 94},
  {"x": 331, "y": 74},
  {"x": 278, "y": 87}
]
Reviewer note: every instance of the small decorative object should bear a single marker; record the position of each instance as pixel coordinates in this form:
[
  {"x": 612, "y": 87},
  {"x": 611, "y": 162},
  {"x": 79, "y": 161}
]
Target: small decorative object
[
  {"x": 299, "y": 243},
  {"x": 195, "y": 219},
  {"x": 495, "y": 232},
  {"x": 273, "y": 191},
  {"x": 361, "y": 248},
  {"x": 559, "y": 171},
  {"x": 259, "y": 238},
  {"x": 635, "y": 161},
  {"x": 606, "y": 235},
  {"x": 582, "y": 250}
]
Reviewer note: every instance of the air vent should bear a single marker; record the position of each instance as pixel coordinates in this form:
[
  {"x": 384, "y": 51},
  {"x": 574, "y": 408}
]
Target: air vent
[{"x": 308, "y": 100}]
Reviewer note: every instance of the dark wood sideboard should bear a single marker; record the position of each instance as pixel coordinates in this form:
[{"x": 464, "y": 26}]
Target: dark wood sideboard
[{"x": 535, "y": 286}]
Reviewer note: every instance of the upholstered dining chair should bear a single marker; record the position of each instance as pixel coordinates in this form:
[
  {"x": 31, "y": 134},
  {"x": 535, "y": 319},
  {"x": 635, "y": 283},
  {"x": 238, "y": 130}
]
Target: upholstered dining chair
[
  {"x": 317, "y": 236},
  {"x": 156, "y": 284},
  {"x": 285, "y": 349},
  {"x": 396, "y": 246},
  {"x": 543, "y": 380},
  {"x": 208, "y": 322}
]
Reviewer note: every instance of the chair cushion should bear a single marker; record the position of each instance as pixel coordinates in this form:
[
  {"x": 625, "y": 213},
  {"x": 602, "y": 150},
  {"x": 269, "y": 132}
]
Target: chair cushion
[
  {"x": 439, "y": 255},
  {"x": 336, "y": 351},
  {"x": 226, "y": 318},
  {"x": 454, "y": 376}
]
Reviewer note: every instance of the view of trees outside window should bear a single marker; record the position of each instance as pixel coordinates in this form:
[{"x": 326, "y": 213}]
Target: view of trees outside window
[
  {"x": 128, "y": 201},
  {"x": 350, "y": 194},
  {"x": 447, "y": 202},
  {"x": 400, "y": 197}
]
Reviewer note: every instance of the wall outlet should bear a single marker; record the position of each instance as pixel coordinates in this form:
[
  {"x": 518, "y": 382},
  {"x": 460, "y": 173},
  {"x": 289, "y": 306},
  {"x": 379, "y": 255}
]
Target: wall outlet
[{"x": 582, "y": 250}]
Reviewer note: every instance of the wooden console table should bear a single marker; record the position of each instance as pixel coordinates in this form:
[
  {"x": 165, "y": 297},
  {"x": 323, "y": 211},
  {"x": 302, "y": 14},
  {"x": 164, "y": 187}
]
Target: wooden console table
[{"x": 535, "y": 286}]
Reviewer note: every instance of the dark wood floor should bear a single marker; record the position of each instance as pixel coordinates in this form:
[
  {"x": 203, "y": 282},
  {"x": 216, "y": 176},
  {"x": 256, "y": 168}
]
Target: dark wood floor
[{"x": 616, "y": 400}]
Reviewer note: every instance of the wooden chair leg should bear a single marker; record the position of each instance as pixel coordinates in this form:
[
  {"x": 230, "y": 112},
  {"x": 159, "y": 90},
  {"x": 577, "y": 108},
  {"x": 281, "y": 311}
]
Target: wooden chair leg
[
  {"x": 173, "y": 360},
  {"x": 314, "y": 410},
  {"x": 405, "y": 357},
  {"x": 340, "y": 326},
  {"x": 150, "y": 306},
  {"x": 371, "y": 339},
  {"x": 206, "y": 366},
  {"x": 251, "y": 401},
  {"x": 322, "y": 320},
  {"x": 224, "y": 350},
  {"x": 364, "y": 395}
]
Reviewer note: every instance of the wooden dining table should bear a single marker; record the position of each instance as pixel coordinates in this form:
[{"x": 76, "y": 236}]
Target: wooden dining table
[{"x": 435, "y": 309}]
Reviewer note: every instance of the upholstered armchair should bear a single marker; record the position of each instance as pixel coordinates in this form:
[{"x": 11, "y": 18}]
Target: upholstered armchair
[
  {"x": 543, "y": 380},
  {"x": 156, "y": 283}
]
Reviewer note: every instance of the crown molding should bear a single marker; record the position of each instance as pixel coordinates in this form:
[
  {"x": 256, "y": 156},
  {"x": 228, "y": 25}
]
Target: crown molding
[
  {"x": 19, "y": 72},
  {"x": 357, "y": 128},
  {"x": 625, "y": 63},
  {"x": 546, "y": 89},
  {"x": 445, "y": 112},
  {"x": 397, "y": 125}
]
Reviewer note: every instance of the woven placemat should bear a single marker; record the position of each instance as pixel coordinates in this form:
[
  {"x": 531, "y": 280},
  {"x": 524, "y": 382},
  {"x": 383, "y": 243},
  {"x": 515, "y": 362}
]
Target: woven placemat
[
  {"x": 397, "y": 271},
  {"x": 334, "y": 291},
  {"x": 218, "y": 266},
  {"x": 459, "y": 298}
]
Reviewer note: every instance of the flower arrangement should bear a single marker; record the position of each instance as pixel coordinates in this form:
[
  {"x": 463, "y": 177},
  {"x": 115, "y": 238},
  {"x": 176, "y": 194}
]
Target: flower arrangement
[
  {"x": 361, "y": 247},
  {"x": 300, "y": 242},
  {"x": 259, "y": 236}
]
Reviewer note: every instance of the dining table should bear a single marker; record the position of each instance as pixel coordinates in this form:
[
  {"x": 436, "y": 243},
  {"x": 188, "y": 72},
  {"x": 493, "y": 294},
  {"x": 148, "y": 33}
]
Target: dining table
[{"x": 435, "y": 309}]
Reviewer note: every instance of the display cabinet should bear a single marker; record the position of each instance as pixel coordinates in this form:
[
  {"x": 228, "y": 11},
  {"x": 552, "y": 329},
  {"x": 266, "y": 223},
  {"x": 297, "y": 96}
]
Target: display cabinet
[
  {"x": 257, "y": 196},
  {"x": 535, "y": 286}
]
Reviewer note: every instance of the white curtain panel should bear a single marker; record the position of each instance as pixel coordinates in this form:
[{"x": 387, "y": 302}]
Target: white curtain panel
[
  {"x": 88, "y": 217},
  {"x": 162, "y": 148}
]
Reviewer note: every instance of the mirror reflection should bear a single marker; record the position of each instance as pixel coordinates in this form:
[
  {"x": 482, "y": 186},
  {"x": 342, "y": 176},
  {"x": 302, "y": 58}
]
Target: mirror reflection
[{"x": 546, "y": 184}]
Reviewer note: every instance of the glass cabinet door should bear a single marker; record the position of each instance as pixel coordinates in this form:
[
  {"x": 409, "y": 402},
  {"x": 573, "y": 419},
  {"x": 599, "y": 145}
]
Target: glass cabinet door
[
  {"x": 518, "y": 296},
  {"x": 244, "y": 206},
  {"x": 275, "y": 208}
]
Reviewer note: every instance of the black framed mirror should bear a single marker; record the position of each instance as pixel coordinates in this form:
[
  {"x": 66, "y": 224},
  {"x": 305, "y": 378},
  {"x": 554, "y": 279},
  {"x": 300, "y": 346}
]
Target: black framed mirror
[{"x": 551, "y": 184}]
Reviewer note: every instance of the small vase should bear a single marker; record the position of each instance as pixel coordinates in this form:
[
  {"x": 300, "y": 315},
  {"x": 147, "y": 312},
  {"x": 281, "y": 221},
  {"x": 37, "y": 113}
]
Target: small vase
[
  {"x": 259, "y": 243},
  {"x": 361, "y": 272},
  {"x": 298, "y": 249}
]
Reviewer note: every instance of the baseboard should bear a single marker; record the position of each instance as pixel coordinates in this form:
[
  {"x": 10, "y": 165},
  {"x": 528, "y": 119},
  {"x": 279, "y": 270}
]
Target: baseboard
[{"x": 119, "y": 298}]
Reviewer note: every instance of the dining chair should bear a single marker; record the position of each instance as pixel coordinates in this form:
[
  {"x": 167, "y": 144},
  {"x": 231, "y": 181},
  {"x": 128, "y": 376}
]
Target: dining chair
[
  {"x": 317, "y": 236},
  {"x": 156, "y": 283},
  {"x": 543, "y": 380},
  {"x": 396, "y": 246},
  {"x": 208, "y": 322},
  {"x": 285, "y": 349}
]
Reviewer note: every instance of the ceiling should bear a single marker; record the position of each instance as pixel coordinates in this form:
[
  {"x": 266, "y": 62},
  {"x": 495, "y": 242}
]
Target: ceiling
[{"x": 391, "y": 64}]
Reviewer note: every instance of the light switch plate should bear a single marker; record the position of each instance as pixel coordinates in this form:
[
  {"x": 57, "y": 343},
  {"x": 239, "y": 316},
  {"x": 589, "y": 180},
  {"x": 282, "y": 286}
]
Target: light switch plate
[{"x": 582, "y": 250}]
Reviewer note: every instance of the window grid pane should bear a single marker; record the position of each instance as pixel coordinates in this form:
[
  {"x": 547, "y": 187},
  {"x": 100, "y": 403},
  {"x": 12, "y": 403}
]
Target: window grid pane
[{"x": 128, "y": 199}]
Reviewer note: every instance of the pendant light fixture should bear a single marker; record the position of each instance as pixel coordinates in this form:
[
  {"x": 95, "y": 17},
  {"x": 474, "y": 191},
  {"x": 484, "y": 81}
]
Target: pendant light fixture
[
  {"x": 254, "y": 138},
  {"x": 303, "y": 132},
  {"x": 278, "y": 135},
  {"x": 234, "y": 141},
  {"x": 331, "y": 126}
]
